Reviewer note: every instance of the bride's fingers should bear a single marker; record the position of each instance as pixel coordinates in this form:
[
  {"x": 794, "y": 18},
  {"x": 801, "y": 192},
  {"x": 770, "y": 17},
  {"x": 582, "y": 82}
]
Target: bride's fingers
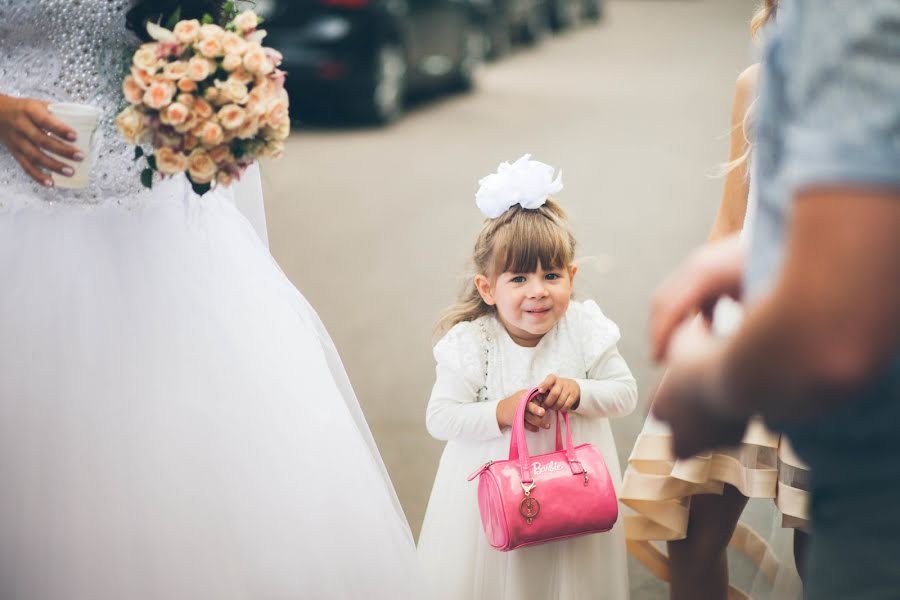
[
  {"x": 44, "y": 119},
  {"x": 44, "y": 141},
  {"x": 42, "y": 160},
  {"x": 33, "y": 172}
]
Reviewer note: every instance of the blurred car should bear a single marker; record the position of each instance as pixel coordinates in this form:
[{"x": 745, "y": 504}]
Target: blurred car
[{"x": 368, "y": 55}]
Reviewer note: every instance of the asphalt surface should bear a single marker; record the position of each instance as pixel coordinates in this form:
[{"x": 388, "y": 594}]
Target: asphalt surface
[{"x": 375, "y": 226}]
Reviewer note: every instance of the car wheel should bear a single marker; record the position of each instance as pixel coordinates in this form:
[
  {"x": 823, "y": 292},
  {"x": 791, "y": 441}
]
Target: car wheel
[
  {"x": 384, "y": 101},
  {"x": 471, "y": 58},
  {"x": 536, "y": 25},
  {"x": 565, "y": 14},
  {"x": 593, "y": 10}
]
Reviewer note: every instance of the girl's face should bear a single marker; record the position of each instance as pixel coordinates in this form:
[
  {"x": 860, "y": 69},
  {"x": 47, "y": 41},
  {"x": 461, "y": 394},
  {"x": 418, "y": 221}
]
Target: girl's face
[{"x": 529, "y": 304}]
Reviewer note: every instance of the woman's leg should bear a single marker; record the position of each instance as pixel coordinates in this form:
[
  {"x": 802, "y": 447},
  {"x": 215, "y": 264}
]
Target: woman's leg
[{"x": 699, "y": 570}]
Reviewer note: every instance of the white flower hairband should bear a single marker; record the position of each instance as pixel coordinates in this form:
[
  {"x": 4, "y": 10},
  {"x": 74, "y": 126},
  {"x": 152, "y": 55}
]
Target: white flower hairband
[{"x": 526, "y": 182}]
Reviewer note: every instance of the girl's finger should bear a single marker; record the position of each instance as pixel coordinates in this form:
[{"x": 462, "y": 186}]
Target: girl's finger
[
  {"x": 547, "y": 384},
  {"x": 534, "y": 409}
]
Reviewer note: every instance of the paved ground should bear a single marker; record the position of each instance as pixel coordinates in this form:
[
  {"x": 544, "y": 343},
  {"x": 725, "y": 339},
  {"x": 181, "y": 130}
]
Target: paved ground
[{"x": 374, "y": 226}]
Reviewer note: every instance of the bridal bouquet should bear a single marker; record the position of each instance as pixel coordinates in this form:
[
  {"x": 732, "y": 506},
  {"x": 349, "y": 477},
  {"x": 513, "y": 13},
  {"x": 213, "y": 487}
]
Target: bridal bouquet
[{"x": 210, "y": 100}]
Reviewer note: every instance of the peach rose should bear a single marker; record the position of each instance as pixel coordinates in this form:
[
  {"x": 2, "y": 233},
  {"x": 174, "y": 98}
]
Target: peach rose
[
  {"x": 159, "y": 94},
  {"x": 211, "y": 31},
  {"x": 232, "y": 62},
  {"x": 209, "y": 47},
  {"x": 189, "y": 124},
  {"x": 246, "y": 21},
  {"x": 177, "y": 113},
  {"x": 232, "y": 116},
  {"x": 141, "y": 77},
  {"x": 211, "y": 134},
  {"x": 232, "y": 43},
  {"x": 170, "y": 162},
  {"x": 256, "y": 61},
  {"x": 147, "y": 58},
  {"x": 221, "y": 155},
  {"x": 278, "y": 112},
  {"x": 187, "y": 32},
  {"x": 198, "y": 69},
  {"x": 234, "y": 91},
  {"x": 190, "y": 142},
  {"x": 281, "y": 131},
  {"x": 188, "y": 86},
  {"x": 224, "y": 178},
  {"x": 243, "y": 76},
  {"x": 176, "y": 70},
  {"x": 248, "y": 130},
  {"x": 211, "y": 94},
  {"x": 201, "y": 167},
  {"x": 186, "y": 99},
  {"x": 130, "y": 123},
  {"x": 133, "y": 92},
  {"x": 203, "y": 108}
]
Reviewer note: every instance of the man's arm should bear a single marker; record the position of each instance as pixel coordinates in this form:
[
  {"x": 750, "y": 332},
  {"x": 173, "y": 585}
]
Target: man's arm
[{"x": 832, "y": 320}]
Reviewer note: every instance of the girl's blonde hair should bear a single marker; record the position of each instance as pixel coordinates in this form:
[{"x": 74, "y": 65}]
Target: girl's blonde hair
[
  {"x": 764, "y": 13},
  {"x": 518, "y": 241}
]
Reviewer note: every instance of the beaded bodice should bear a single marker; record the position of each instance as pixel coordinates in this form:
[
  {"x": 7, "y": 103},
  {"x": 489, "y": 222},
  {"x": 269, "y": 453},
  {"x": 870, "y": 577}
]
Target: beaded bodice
[{"x": 72, "y": 51}]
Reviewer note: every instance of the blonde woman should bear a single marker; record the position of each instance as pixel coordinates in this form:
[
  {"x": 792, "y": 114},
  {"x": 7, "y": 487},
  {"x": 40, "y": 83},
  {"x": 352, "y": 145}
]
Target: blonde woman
[{"x": 695, "y": 505}]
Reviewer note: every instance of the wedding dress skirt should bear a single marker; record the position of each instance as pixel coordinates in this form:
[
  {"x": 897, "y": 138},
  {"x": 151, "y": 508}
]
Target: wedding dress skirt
[{"x": 175, "y": 422}]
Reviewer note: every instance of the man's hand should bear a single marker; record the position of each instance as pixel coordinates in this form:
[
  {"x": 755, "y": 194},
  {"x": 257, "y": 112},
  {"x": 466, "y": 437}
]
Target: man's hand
[
  {"x": 711, "y": 272},
  {"x": 686, "y": 398}
]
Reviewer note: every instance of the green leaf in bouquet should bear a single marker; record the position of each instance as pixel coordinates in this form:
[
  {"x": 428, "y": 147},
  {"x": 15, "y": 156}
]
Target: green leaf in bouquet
[
  {"x": 147, "y": 178},
  {"x": 138, "y": 152},
  {"x": 151, "y": 162},
  {"x": 207, "y": 19},
  {"x": 201, "y": 188},
  {"x": 174, "y": 19}
]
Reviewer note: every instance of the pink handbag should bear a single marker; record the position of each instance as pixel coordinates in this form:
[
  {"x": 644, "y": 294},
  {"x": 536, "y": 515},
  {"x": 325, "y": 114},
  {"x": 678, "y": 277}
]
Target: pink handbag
[{"x": 529, "y": 500}]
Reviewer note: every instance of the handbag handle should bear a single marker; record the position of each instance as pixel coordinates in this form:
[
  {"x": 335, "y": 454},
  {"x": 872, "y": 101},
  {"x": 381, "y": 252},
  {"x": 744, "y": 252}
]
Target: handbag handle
[{"x": 518, "y": 445}]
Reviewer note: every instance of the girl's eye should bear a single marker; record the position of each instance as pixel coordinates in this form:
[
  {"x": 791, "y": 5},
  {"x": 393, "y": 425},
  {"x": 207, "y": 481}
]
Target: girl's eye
[
  {"x": 518, "y": 279},
  {"x": 552, "y": 276}
]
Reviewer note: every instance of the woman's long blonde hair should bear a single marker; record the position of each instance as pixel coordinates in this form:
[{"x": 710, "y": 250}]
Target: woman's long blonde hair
[
  {"x": 518, "y": 241},
  {"x": 764, "y": 13}
]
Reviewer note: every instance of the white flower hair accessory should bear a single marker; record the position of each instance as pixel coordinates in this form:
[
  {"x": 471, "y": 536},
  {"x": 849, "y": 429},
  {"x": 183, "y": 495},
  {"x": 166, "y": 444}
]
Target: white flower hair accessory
[{"x": 526, "y": 182}]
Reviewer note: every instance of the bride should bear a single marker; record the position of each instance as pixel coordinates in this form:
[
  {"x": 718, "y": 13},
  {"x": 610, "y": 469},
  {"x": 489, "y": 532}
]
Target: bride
[{"x": 175, "y": 422}]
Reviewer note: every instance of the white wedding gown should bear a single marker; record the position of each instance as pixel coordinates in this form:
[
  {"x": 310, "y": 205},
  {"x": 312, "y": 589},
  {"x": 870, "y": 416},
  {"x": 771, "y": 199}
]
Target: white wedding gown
[{"x": 175, "y": 423}]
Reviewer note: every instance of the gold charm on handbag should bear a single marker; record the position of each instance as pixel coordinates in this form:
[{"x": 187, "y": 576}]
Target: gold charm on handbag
[{"x": 529, "y": 507}]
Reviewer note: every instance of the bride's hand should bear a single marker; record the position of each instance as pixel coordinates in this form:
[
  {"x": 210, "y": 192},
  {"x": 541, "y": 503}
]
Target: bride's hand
[{"x": 25, "y": 128}]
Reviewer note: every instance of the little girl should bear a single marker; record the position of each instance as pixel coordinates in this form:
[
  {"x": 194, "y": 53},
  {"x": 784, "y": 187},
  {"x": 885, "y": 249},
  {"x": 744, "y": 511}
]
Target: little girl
[{"x": 516, "y": 327}]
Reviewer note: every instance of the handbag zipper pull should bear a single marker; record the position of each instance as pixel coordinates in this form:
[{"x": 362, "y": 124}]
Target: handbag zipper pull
[{"x": 480, "y": 470}]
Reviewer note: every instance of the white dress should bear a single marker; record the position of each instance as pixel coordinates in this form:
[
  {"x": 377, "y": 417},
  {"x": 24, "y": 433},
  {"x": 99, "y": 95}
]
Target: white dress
[
  {"x": 175, "y": 423},
  {"x": 478, "y": 365}
]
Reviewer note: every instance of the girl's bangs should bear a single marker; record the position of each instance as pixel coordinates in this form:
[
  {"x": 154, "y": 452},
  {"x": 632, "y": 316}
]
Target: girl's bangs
[{"x": 528, "y": 243}]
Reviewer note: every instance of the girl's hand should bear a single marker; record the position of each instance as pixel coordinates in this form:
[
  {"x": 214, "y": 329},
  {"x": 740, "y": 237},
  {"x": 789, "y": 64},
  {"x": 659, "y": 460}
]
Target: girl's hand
[
  {"x": 534, "y": 414},
  {"x": 560, "y": 394},
  {"x": 25, "y": 129}
]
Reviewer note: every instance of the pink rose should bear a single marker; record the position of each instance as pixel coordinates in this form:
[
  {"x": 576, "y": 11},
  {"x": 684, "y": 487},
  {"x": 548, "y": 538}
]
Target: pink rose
[
  {"x": 232, "y": 43},
  {"x": 209, "y": 47},
  {"x": 256, "y": 61}
]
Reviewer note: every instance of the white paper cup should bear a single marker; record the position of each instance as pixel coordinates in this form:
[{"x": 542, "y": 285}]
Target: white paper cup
[{"x": 84, "y": 120}]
